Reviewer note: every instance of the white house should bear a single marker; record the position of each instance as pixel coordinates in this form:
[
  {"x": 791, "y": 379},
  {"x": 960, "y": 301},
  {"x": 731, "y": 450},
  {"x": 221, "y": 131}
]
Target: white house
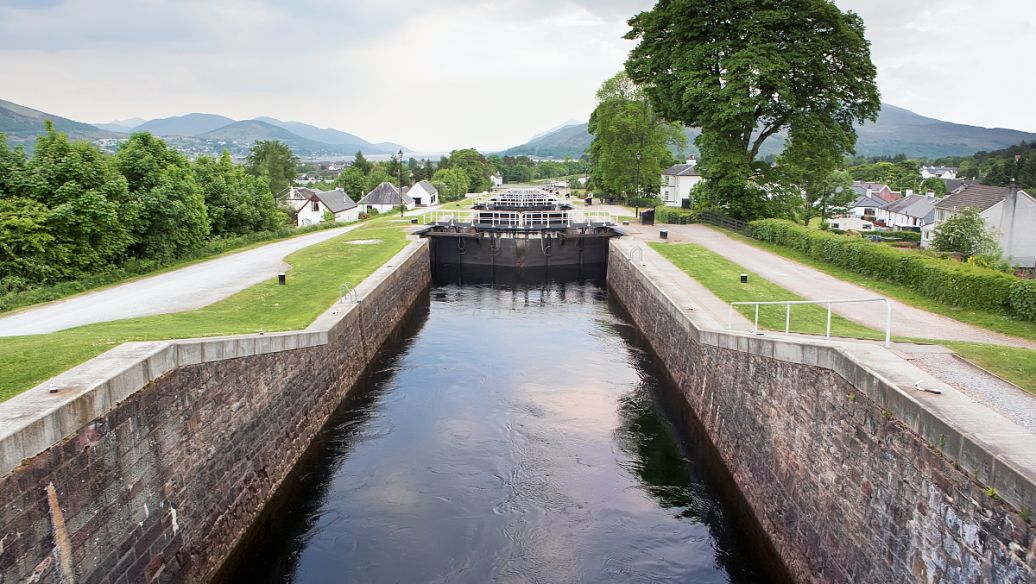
[
  {"x": 847, "y": 223},
  {"x": 335, "y": 202},
  {"x": 295, "y": 198},
  {"x": 423, "y": 194},
  {"x": 497, "y": 179},
  {"x": 911, "y": 213},
  {"x": 866, "y": 207},
  {"x": 1007, "y": 210},
  {"x": 946, "y": 172},
  {"x": 677, "y": 182},
  {"x": 385, "y": 197}
]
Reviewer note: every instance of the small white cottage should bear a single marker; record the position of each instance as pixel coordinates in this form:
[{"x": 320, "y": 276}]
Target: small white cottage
[{"x": 335, "y": 202}]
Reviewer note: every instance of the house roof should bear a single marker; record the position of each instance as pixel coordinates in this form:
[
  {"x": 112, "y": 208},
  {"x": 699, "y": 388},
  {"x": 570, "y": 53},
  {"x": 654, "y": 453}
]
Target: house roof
[
  {"x": 939, "y": 169},
  {"x": 981, "y": 197},
  {"x": 953, "y": 184},
  {"x": 336, "y": 201},
  {"x": 299, "y": 194},
  {"x": 918, "y": 206},
  {"x": 681, "y": 170},
  {"x": 425, "y": 186},
  {"x": 869, "y": 201},
  {"x": 385, "y": 194}
]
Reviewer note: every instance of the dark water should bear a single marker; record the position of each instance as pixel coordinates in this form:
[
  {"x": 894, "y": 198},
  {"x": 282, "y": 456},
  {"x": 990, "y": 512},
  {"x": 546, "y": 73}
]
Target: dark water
[{"x": 513, "y": 434}]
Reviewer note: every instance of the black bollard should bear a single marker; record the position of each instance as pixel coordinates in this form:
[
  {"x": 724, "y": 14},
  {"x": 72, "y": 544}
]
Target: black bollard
[
  {"x": 282, "y": 279},
  {"x": 744, "y": 278}
]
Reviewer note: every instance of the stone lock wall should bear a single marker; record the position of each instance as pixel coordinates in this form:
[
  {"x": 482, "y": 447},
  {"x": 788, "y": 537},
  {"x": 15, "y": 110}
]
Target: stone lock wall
[
  {"x": 164, "y": 482},
  {"x": 844, "y": 489}
]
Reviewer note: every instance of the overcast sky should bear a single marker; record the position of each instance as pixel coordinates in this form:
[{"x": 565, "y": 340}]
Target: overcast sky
[{"x": 449, "y": 73}]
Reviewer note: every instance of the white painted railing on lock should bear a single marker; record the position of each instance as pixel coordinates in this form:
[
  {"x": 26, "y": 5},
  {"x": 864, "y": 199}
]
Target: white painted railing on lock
[
  {"x": 787, "y": 314},
  {"x": 446, "y": 217}
]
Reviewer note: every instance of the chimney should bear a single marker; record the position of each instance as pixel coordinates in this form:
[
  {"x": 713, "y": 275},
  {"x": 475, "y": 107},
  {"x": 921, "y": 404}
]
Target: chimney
[
  {"x": 691, "y": 161},
  {"x": 1007, "y": 218}
]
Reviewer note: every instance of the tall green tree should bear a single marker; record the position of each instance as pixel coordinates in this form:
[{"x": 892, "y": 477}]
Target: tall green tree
[
  {"x": 377, "y": 176},
  {"x": 360, "y": 162},
  {"x": 455, "y": 181},
  {"x": 744, "y": 70},
  {"x": 966, "y": 233},
  {"x": 475, "y": 166},
  {"x": 274, "y": 160},
  {"x": 169, "y": 206},
  {"x": 353, "y": 182},
  {"x": 624, "y": 125},
  {"x": 236, "y": 202}
]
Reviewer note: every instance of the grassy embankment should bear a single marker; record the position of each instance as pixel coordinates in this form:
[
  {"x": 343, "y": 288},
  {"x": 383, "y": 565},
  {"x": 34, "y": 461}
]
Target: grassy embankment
[
  {"x": 995, "y": 321},
  {"x": 91, "y": 282},
  {"x": 720, "y": 275},
  {"x": 313, "y": 285}
]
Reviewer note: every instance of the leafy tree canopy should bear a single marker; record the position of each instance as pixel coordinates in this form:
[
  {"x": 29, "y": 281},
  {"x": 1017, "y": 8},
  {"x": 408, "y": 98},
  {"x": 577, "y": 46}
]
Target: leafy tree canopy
[
  {"x": 966, "y": 233},
  {"x": 274, "y": 160},
  {"x": 743, "y": 70}
]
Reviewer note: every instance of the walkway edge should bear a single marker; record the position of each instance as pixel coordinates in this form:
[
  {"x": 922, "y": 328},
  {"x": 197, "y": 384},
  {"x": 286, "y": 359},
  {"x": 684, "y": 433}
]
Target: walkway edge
[{"x": 34, "y": 420}]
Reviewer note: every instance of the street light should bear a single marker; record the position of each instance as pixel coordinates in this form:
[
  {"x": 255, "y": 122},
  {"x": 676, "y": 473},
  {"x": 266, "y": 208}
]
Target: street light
[
  {"x": 399, "y": 172},
  {"x": 636, "y": 194}
]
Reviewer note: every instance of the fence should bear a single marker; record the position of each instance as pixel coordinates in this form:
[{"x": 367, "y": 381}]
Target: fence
[{"x": 787, "y": 317}]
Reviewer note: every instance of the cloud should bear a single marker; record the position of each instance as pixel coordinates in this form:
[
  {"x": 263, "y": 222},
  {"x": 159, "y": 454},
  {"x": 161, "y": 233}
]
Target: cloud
[{"x": 439, "y": 75}]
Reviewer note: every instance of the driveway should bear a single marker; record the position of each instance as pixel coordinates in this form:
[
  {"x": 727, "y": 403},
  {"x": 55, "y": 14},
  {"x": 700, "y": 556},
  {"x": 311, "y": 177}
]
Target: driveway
[
  {"x": 812, "y": 284},
  {"x": 187, "y": 288}
]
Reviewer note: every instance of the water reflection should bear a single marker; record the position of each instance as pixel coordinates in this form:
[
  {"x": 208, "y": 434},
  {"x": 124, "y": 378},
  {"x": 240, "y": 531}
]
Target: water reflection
[{"x": 513, "y": 437}]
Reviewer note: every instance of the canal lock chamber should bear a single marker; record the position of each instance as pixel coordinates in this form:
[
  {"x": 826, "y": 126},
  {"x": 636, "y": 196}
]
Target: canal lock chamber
[{"x": 516, "y": 427}]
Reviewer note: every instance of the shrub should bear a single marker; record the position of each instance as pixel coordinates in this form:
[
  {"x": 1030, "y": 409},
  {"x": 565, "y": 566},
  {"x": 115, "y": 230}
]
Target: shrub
[
  {"x": 1023, "y": 298},
  {"x": 674, "y": 216},
  {"x": 952, "y": 283},
  {"x": 644, "y": 202}
]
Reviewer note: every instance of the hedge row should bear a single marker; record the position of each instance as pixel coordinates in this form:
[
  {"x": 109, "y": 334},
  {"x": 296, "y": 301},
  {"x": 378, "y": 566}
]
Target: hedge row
[
  {"x": 675, "y": 216},
  {"x": 947, "y": 281}
]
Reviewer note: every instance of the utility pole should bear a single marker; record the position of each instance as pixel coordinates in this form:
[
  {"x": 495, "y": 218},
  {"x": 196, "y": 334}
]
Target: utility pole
[
  {"x": 636, "y": 194},
  {"x": 399, "y": 172}
]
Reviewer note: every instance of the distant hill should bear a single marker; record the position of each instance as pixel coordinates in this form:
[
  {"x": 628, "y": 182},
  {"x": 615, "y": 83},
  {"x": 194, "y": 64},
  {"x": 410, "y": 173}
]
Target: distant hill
[
  {"x": 897, "y": 131},
  {"x": 334, "y": 137},
  {"x": 121, "y": 125},
  {"x": 22, "y": 124},
  {"x": 186, "y": 125}
]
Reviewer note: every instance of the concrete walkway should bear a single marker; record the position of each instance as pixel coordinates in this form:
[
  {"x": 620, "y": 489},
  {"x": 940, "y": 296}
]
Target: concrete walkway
[
  {"x": 812, "y": 284},
  {"x": 187, "y": 288}
]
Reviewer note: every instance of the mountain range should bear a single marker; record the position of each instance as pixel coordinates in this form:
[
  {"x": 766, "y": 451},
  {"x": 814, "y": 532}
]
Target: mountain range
[
  {"x": 897, "y": 131},
  {"x": 196, "y": 133}
]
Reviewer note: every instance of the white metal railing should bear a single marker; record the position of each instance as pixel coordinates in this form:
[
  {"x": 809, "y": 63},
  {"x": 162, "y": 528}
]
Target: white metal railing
[
  {"x": 787, "y": 314},
  {"x": 530, "y": 219}
]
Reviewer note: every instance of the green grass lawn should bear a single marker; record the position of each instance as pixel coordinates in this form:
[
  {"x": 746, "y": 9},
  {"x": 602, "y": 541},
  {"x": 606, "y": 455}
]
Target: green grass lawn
[
  {"x": 721, "y": 277},
  {"x": 313, "y": 285},
  {"x": 994, "y": 321}
]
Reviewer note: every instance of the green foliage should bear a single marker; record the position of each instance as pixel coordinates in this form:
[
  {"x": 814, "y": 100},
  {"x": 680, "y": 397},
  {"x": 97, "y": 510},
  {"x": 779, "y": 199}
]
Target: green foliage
[
  {"x": 673, "y": 216},
  {"x": 1023, "y": 298},
  {"x": 899, "y": 175},
  {"x": 236, "y": 202},
  {"x": 742, "y": 71},
  {"x": 625, "y": 126},
  {"x": 361, "y": 163},
  {"x": 943, "y": 280},
  {"x": 475, "y": 166},
  {"x": 454, "y": 183},
  {"x": 275, "y": 161},
  {"x": 377, "y": 176},
  {"x": 353, "y": 182},
  {"x": 965, "y": 233},
  {"x": 933, "y": 185}
]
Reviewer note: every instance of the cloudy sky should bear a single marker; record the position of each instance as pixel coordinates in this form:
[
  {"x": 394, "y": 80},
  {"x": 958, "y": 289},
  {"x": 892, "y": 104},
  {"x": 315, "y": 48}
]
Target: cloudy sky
[{"x": 449, "y": 73}]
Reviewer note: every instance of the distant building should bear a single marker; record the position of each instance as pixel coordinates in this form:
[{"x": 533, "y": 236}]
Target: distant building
[
  {"x": 295, "y": 198},
  {"x": 911, "y": 213},
  {"x": 1010, "y": 212},
  {"x": 866, "y": 207},
  {"x": 946, "y": 172},
  {"x": 336, "y": 202},
  {"x": 497, "y": 179},
  {"x": 677, "y": 182},
  {"x": 882, "y": 191},
  {"x": 385, "y": 197},
  {"x": 423, "y": 194}
]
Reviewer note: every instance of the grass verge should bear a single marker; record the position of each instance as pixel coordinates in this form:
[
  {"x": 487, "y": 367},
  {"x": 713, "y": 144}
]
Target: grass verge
[
  {"x": 317, "y": 272},
  {"x": 994, "y": 321},
  {"x": 720, "y": 276},
  {"x": 137, "y": 270}
]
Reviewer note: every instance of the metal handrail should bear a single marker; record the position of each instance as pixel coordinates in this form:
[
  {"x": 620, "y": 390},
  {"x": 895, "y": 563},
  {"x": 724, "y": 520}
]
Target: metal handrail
[
  {"x": 787, "y": 316},
  {"x": 348, "y": 289}
]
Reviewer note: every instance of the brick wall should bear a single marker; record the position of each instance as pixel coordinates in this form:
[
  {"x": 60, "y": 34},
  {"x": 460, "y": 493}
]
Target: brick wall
[
  {"x": 162, "y": 486},
  {"x": 844, "y": 490}
]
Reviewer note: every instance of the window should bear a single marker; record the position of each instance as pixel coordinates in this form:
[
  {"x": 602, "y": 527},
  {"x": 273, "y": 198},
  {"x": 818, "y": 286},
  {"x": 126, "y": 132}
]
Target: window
[{"x": 314, "y": 206}]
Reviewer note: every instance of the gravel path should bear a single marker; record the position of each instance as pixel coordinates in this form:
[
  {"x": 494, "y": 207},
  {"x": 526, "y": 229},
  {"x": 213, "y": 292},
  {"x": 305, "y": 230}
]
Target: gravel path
[
  {"x": 1009, "y": 401},
  {"x": 816, "y": 285},
  {"x": 187, "y": 288}
]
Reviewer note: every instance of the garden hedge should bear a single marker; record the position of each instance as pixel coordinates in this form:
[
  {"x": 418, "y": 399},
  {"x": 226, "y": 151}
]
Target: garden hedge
[
  {"x": 947, "y": 281},
  {"x": 675, "y": 216}
]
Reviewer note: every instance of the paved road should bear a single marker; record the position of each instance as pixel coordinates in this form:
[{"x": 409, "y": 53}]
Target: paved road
[
  {"x": 812, "y": 284},
  {"x": 187, "y": 288}
]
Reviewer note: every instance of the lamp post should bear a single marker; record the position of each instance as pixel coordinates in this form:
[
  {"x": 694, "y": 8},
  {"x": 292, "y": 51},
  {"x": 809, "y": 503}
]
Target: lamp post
[
  {"x": 399, "y": 173},
  {"x": 636, "y": 194}
]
